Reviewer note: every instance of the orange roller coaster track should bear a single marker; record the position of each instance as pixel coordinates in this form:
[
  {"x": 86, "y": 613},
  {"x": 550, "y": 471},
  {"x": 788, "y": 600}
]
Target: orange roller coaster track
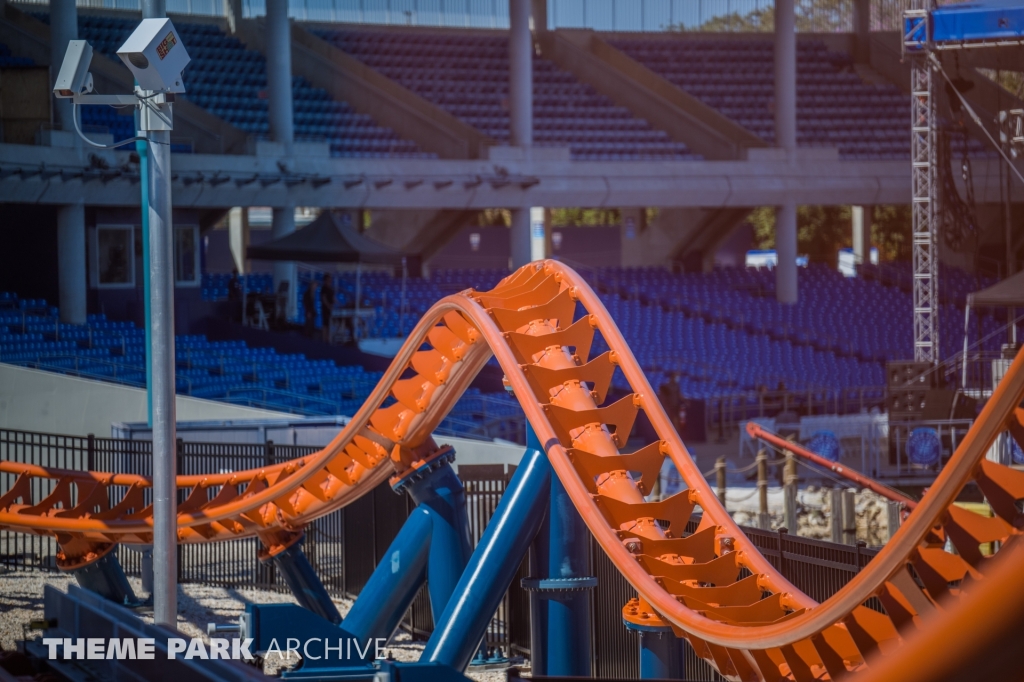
[{"x": 712, "y": 587}]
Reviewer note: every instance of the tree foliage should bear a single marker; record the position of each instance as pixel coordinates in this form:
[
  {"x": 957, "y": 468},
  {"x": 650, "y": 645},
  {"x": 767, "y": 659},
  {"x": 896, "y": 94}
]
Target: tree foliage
[{"x": 823, "y": 230}]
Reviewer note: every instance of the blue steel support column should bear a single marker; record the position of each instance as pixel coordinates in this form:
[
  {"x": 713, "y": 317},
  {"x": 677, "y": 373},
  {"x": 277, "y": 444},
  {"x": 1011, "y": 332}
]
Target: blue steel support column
[
  {"x": 304, "y": 583},
  {"x": 457, "y": 633},
  {"x": 106, "y": 578},
  {"x": 560, "y": 586},
  {"x": 435, "y": 488},
  {"x": 395, "y": 581},
  {"x": 661, "y": 653}
]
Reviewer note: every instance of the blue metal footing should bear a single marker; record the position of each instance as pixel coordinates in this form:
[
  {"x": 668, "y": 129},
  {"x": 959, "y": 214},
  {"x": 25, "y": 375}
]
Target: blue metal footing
[
  {"x": 661, "y": 652},
  {"x": 304, "y": 583},
  {"x": 106, "y": 578}
]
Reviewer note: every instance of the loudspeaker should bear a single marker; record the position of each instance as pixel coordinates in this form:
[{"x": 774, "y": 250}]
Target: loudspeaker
[
  {"x": 938, "y": 404},
  {"x": 906, "y": 403},
  {"x": 906, "y": 375}
]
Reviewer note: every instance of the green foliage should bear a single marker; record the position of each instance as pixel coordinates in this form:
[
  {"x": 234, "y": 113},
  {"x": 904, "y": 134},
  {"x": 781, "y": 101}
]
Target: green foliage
[
  {"x": 818, "y": 16},
  {"x": 584, "y": 217},
  {"x": 823, "y": 230}
]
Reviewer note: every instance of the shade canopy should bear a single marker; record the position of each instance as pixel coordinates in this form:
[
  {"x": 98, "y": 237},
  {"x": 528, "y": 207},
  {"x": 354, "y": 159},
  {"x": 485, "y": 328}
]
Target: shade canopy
[
  {"x": 326, "y": 240},
  {"x": 1006, "y": 294}
]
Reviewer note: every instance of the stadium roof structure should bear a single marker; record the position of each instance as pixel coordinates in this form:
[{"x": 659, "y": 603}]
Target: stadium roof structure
[{"x": 326, "y": 240}]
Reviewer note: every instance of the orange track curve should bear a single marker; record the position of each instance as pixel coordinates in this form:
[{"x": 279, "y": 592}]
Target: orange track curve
[{"x": 713, "y": 587}]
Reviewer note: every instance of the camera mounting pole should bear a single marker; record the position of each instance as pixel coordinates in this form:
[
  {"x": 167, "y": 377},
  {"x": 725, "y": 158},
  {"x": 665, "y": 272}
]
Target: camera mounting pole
[{"x": 156, "y": 57}]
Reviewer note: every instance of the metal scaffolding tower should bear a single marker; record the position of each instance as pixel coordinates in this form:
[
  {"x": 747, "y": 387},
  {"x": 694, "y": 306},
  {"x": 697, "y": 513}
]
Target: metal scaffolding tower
[{"x": 923, "y": 160}]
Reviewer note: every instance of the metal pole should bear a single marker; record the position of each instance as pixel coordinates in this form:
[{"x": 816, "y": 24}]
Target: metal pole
[
  {"x": 836, "y": 515},
  {"x": 720, "y": 479},
  {"x": 764, "y": 521},
  {"x": 161, "y": 276},
  {"x": 791, "y": 483},
  {"x": 785, "y": 138},
  {"x": 520, "y": 100},
  {"x": 924, "y": 209},
  {"x": 849, "y": 516},
  {"x": 894, "y": 517}
]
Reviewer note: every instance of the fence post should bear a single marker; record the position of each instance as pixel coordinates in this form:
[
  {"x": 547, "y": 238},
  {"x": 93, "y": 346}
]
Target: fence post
[
  {"x": 836, "y": 516},
  {"x": 849, "y": 516},
  {"x": 764, "y": 521},
  {"x": 720, "y": 478},
  {"x": 791, "y": 485},
  {"x": 90, "y": 455},
  {"x": 894, "y": 517}
]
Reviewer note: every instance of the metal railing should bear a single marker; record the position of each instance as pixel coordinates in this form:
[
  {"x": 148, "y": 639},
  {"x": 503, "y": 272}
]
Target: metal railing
[{"x": 344, "y": 547}]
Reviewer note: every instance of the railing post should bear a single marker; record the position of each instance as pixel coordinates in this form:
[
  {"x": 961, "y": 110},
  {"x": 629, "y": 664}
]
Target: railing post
[
  {"x": 720, "y": 472},
  {"x": 791, "y": 483},
  {"x": 763, "y": 518},
  {"x": 836, "y": 515},
  {"x": 90, "y": 455},
  {"x": 894, "y": 517},
  {"x": 849, "y": 516}
]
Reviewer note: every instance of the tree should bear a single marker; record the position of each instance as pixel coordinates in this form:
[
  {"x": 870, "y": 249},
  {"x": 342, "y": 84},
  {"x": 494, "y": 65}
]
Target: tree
[{"x": 823, "y": 230}]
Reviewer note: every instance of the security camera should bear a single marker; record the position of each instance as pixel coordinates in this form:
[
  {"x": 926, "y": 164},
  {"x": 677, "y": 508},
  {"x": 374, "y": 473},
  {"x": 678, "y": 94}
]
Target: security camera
[
  {"x": 155, "y": 54},
  {"x": 74, "y": 77}
]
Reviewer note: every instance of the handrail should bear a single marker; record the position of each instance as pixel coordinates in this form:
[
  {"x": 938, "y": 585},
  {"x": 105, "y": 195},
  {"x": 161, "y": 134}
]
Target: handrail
[
  {"x": 755, "y": 430},
  {"x": 689, "y": 583}
]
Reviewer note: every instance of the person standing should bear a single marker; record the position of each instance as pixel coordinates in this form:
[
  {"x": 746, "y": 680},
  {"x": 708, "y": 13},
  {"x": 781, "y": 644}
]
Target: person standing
[
  {"x": 309, "y": 308},
  {"x": 671, "y": 397},
  {"x": 327, "y": 301}
]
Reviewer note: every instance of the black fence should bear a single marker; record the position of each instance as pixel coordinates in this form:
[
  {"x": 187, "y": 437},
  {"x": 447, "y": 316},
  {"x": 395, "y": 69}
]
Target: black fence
[{"x": 344, "y": 547}]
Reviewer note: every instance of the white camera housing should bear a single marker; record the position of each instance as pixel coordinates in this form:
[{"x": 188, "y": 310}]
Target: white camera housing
[
  {"x": 156, "y": 56},
  {"x": 74, "y": 77}
]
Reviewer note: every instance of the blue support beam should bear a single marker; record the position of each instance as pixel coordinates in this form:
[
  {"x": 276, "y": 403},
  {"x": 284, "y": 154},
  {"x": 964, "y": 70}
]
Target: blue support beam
[
  {"x": 560, "y": 589},
  {"x": 434, "y": 541},
  {"x": 661, "y": 653},
  {"x": 461, "y": 627},
  {"x": 304, "y": 583},
  {"x": 106, "y": 578}
]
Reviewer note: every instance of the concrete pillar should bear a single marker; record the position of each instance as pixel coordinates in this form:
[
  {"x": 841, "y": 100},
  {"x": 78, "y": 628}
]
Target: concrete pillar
[
  {"x": 862, "y": 31},
  {"x": 861, "y": 218},
  {"x": 539, "y": 15},
  {"x": 282, "y": 224},
  {"x": 63, "y": 28},
  {"x": 238, "y": 236},
  {"x": 785, "y": 75},
  {"x": 233, "y": 13},
  {"x": 785, "y": 248},
  {"x": 71, "y": 263},
  {"x": 520, "y": 74},
  {"x": 785, "y": 138},
  {"x": 279, "y": 74},
  {"x": 520, "y": 102},
  {"x": 520, "y": 241}
]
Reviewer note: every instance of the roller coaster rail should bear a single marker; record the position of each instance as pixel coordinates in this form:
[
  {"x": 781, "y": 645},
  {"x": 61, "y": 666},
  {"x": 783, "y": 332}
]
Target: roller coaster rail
[{"x": 712, "y": 587}]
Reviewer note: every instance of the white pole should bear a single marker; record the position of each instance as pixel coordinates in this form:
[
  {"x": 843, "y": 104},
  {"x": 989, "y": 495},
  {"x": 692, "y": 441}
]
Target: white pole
[{"x": 161, "y": 287}]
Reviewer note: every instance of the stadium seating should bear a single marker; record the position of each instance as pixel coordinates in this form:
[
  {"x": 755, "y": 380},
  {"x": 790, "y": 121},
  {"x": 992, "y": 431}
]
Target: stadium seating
[
  {"x": 231, "y": 82},
  {"x": 467, "y": 75},
  {"x": 31, "y": 335},
  {"x": 835, "y": 108},
  {"x": 7, "y": 60}
]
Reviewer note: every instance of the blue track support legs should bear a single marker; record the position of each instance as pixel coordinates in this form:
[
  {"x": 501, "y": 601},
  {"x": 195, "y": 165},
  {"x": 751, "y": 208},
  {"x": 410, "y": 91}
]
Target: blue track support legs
[
  {"x": 560, "y": 588},
  {"x": 395, "y": 581},
  {"x": 305, "y": 584},
  {"x": 106, "y": 578},
  {"x": 462, "y": 625},
  {"x": 661, "y": 653}
]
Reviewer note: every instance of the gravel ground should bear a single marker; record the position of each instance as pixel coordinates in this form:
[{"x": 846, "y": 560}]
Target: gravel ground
[{"x": 21, "y": 600}]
